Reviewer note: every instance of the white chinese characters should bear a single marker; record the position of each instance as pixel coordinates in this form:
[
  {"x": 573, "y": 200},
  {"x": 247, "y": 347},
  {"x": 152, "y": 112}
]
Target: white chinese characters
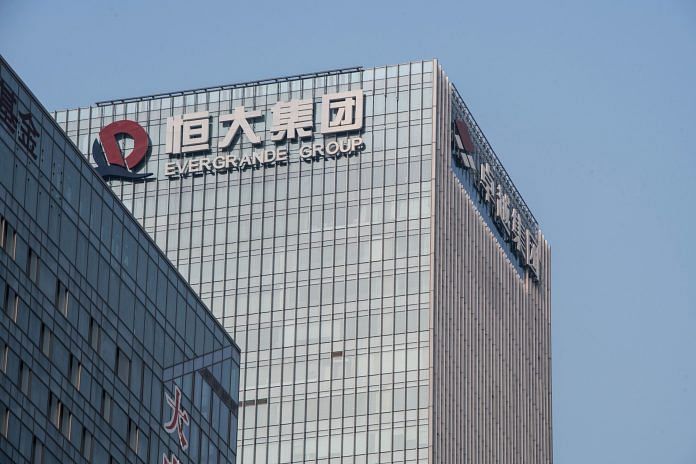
[
  {"x": 342, "y": 111},
  {"x": 239, "y": 118},
  {"x": 508, "y": 220},
  {"x": 291, "y": 120},
  {"x": 188, "y": 133}
]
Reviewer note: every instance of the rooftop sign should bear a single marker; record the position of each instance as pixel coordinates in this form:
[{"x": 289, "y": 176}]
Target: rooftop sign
[
  {"x": 189, "y": 134},
  {"x": 506, "y": 217}
]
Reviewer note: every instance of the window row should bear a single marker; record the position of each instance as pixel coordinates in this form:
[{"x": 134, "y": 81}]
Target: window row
[
  {"x": 253, "y": 339},
  {"x": 335, "y": 368},
  {"x": 338, "y": 445}
]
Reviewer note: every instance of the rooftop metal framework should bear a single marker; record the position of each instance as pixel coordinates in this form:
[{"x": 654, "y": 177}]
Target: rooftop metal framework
[
  {"x": 489, "y": 156},
  {"x": 273, "y": 80}
]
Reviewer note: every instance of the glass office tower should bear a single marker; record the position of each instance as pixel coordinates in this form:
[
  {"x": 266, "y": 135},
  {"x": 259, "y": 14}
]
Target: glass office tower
[
  {"x": 355, "y": 233},
  {"x": 106, "y": 354}
]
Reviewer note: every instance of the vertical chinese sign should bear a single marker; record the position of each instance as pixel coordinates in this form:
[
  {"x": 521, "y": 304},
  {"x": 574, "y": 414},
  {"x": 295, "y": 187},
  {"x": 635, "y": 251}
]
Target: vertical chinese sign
[
  {"x": 179, "y": 418},
  {"x": 18, "y": 122}
]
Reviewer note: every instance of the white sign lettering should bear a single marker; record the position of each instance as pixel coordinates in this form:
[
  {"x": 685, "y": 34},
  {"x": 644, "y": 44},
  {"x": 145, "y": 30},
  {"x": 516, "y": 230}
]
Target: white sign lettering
[
  {"x": 278, "y": 156},
  {"x": 239, "y": 118},
  {"x": 508, "y": 220},
  {"x": 291, "y": 120},
  {"x": 188, "y": 133},
  {"x": 342, "y": 111}
]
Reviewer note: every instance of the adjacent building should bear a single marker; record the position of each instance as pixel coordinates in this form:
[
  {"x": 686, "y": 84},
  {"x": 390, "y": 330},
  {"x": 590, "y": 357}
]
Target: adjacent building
[
  {"x": 355, "y": 233},
  {"x": 106, "y": 353}
]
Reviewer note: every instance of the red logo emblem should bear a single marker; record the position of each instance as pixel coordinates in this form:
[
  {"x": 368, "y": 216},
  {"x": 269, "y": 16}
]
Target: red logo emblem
[
  {"x": 464, "y": 146},
  {"x": 111, "y": 162}
]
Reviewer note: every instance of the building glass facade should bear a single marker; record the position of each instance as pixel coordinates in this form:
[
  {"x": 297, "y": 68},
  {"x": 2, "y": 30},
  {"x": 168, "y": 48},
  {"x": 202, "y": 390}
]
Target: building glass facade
[
  {"x": 335, "y": 273},
  {"x": 98, "y": 331}
]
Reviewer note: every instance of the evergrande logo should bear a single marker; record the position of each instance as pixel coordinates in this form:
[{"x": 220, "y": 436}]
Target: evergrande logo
[{"x": 110, "y": 159}]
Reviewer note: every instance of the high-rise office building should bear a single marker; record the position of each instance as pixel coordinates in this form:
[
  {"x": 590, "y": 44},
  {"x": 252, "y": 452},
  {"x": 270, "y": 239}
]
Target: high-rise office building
[
  {"x": 356, "y": 234},
  {"x": 106, "y": 353}
]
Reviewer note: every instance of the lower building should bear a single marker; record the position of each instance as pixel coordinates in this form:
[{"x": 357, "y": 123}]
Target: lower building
[{"x": 106, "y": 353}]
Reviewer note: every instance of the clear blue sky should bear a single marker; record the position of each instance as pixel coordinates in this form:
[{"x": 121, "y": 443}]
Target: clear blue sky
[{"x": 590, "y": 105}]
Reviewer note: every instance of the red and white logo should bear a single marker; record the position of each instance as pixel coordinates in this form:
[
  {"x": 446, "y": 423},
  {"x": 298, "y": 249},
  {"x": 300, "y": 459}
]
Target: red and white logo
[{"x": 110, "y": 159}]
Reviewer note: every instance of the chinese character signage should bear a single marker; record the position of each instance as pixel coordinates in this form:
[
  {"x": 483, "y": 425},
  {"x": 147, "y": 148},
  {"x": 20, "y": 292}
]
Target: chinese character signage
[
  {"x": 179, "y": 418},
  {"x": 172, "y": 459},
  {"x": 342, "y": 111},
  {"x": 239, "y": 119},
  {"x": 19, "y": 124},
  {"x": 524, "y": 244},
  {"x": 190, "y": 134},
  {"x": 290, "y": 121}
]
